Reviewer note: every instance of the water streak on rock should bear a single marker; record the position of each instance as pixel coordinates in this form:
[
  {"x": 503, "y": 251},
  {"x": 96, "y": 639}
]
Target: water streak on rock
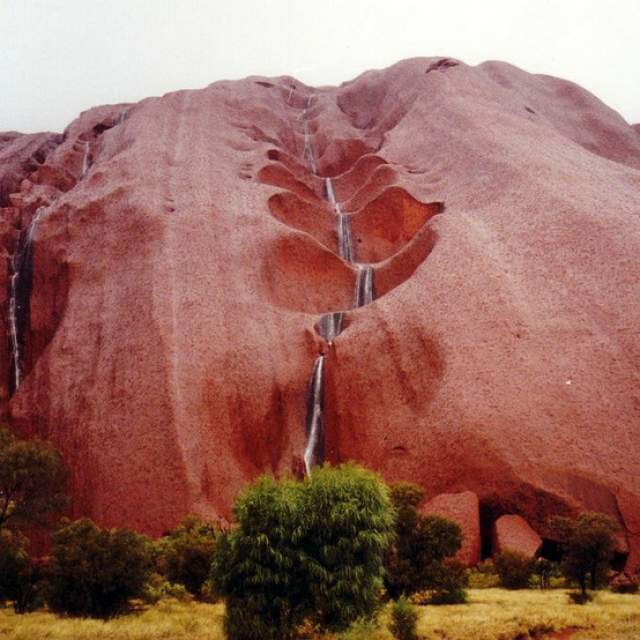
[
  {"x": 364, "y": 285},
  {"x": 314, "y": 450},
  {"x": 85, "y": 159},
  {"x": 18, "y": 301}
]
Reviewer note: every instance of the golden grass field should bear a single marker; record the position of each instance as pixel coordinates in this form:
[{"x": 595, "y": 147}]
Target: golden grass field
[{"x": 491, "y": 614}]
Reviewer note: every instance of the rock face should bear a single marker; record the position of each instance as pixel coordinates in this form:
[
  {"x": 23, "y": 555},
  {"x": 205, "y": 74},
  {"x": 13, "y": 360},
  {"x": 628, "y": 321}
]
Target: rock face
[
  {"x": 185, "y": 249},
  {"x": 513, "y": 533}
]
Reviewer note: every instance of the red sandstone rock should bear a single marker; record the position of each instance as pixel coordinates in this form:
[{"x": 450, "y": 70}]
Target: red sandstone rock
[
  {"x": 170, "y": 338},
  {"x": 513, "y": 533},
  {"x": 462, "y": 508}
]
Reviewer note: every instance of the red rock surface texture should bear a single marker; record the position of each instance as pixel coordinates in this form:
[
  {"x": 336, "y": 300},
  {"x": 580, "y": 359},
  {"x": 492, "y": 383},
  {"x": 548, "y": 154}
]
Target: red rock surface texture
[
  {"x": 185, "y": 250},
  {"x": 513, "y": 533}
]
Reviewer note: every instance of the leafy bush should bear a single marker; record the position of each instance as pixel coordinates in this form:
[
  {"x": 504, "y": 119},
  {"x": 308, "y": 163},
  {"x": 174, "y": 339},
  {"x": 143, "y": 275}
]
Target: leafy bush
[
  {"x": 20, "y": 577},
  {"x": 587, "y": 544},
  {"x": 483, "y": 575},
  {"x": 185, "y": 555},
  {"x": 404, "y": 620},
  {"x": 514, "y": 569},
  {"x": 449, "y": 583},
  {"x": 95, "y": 572},
  {"x": 157, "y": 588},
  {"x": 414, "y": 562},
  {"x": 32, "y": 481},
  {"x": 307, "y": 550}
]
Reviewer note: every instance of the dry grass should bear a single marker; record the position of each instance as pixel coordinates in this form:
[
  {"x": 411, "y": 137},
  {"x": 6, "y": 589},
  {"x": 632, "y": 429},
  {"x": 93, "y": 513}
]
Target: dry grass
[{"x": 491, "y": 614}]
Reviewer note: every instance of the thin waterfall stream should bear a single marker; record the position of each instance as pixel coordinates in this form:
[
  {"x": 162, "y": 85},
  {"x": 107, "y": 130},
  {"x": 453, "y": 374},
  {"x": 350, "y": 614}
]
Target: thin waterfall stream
[
  {"x": 314, "y": 449},
  {"x": 21, "y": 270},
  {"x": 331, "y": 324}
]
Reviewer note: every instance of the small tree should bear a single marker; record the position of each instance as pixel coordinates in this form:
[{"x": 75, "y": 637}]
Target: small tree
[
  {"x": 514, "y": 568},
  {"x": 95, "y": 572},
  {"x": 404, "y": 619},
  {"x": 449, "y": 582},
  {"x": 19, "y": 576},
  {"x": 304, "y": 550},
  {"x": 347, "y": 522},
  {"x": 587, "y": 544},
  {"x": 32, "y": 481},
  {"x": 414, "y": 562},
  {"x": 186, "y": 554}
]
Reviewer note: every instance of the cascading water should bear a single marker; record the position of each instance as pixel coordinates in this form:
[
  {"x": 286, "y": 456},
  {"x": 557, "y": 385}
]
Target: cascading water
[
  {"x": 21, "y": 267},
  {"x": 364, "y": 285},
  {"x": 314, "y": 450},
  {"x": 85, "y": 159},
  {"x": 308, "y": 154},
  {"x": 330, "y": 325},
  {"x": 345, "y": 242}
]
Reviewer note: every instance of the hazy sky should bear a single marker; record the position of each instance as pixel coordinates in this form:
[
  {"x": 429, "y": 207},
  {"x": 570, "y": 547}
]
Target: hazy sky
[{"x": 59, "y": 57}]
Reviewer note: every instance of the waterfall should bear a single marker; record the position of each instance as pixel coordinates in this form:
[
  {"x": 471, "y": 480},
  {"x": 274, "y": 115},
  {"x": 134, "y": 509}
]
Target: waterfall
[
  {"x": 330, "y": 325},
  {"x": 364, "y": 285},
  {"x": 330, "y": 193},
  {"x": 308, "y": 150},
  {"x": 85, "y": 159},
  {"x": 345, "y": 246},
  {"x": 21, "y": 265},
  {"x": 314, "y": 450},
  {"x": 122, "y": 116},
  {"x": 13, "y": 324}
]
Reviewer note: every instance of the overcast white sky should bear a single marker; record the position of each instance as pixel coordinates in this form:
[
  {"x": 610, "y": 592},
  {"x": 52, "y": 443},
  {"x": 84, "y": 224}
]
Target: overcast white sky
[{"x": 59, "y": 57}]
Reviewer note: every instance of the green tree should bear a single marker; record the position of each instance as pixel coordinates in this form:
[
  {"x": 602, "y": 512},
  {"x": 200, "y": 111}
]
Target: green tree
[
  {"x": 20, "y": 577},
  {"x": 32, "y": 481},
  {"x": 94, "y": 572},
  {"x": 347, "y": 521},
  {"x": 307, "y": 550},
  {"x": 587, "y": 548},
  {"x": 415, "y": 560},
  {"x": 514, "y": 568},
  {"x": 404, "y": 620},
  {"x": 186, "y": 554}
]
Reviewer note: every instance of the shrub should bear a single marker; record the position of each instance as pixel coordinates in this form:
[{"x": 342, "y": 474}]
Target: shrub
[
  {"x": 307, "y": 550},
  {"x": 157, "y": 588},
  {"x": 20, "y": 577},
  {"x": 404, "y": 619},
  {"x": 32, "y": 481},
  {"x": 414, "y": 562},
  {"x": 449, "y": 583},
  {"x": 185, "y": 554},
  {"x": 483, "y": 576},
  {"x": 514, "y": 569},
  {"x": 587, "y": 544},
  {"x": 95, "y": 572}
]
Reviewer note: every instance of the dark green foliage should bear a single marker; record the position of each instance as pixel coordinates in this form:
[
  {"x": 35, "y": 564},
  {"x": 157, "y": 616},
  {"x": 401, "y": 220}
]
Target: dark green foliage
[
  {"x": 544, "y": 571},
  {"x": 514, "y": 568},
  {"x": 449, "y": 583},
  {"x": 32, "y": 481},
  {"x": 94, "y": 572},
  {"x": 587, "y": 544},
  {"x": 185, "y": 555},
  {"x": 414, "y": 562},
  {"x": 307, "y": 550},
  {"x": 20, "y": 577},
  {"x": 404, "y": 619}
]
